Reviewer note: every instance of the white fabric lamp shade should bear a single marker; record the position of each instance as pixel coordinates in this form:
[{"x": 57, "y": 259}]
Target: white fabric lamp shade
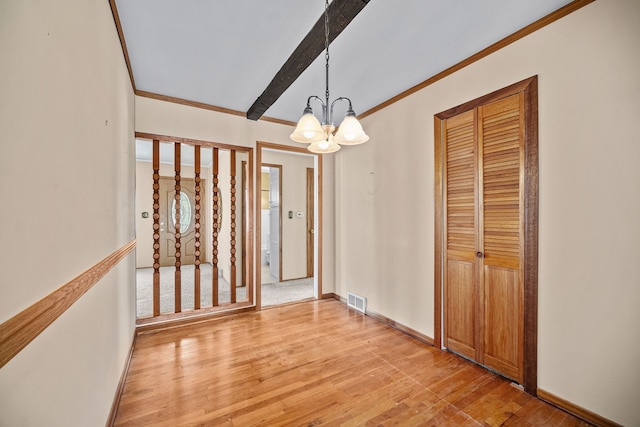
[
  {"x": 324, "y": 147},
  {"x": 308, "y": 130},
  {"x": 350, "y": 132}
]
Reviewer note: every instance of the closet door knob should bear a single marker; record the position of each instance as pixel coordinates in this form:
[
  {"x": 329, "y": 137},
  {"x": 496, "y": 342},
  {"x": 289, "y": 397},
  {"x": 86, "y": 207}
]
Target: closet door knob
[{"x": 479, "y": 254}]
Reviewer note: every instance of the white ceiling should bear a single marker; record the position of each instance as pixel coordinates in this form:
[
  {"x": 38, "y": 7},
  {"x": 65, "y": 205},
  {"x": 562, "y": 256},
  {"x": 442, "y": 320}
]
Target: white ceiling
[{"x": 225, "y": 52}]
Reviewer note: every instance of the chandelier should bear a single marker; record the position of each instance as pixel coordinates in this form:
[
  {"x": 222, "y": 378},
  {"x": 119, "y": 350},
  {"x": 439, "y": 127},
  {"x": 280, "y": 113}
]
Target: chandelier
[{"x": 321, "y": 136}]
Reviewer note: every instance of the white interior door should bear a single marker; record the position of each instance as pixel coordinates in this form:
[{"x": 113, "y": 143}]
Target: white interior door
[{"x": 274, "y": 222}]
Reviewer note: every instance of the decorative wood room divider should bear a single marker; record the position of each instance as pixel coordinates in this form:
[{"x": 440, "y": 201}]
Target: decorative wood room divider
[{"x": 190, "y": 232}]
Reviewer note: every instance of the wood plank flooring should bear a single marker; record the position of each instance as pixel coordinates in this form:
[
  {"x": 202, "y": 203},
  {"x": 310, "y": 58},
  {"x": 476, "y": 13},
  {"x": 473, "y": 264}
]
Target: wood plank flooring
[{"x": 314, "y": 363}]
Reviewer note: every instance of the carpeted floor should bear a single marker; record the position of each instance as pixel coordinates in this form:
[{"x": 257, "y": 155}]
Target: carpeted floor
[{"x": 272, "y": 293}]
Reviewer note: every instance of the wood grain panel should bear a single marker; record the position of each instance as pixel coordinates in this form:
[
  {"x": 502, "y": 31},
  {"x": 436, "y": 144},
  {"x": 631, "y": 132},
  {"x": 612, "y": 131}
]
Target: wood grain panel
[
  {"x": 438, "y": 191},
  {"x": 178, "y": 253},
  {"x": 17, "y": 332},
  {"x": 198, "y": 207},
  {"x": 460, "y": 193},
  {"x": 501, "y": 137},
  {"x": 460, "y": 235},
  {"x": 530, "y": 235},
  {"x": 156, "y": 227},
  {"x": 503, "y": 321},
  {"x": 232, "y": 232},
  {"x": 216, "y": 226},
  {"x": 460, "y": 303}
]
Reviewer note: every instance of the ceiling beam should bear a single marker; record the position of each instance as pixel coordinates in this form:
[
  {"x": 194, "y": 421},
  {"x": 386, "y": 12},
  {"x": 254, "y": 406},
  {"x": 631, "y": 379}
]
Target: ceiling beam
[{"x": 341, "y": 13}]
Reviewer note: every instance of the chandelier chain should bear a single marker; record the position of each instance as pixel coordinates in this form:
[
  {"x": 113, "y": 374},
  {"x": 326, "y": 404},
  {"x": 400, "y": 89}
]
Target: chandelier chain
[
  {"x": 321, "y": 134},
  {"x": 326, "y": 46}
]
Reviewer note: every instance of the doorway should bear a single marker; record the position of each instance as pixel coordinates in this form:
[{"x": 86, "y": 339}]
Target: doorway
[
  {"x": 294, "y": 177},
  {"x": 486, "y": 202},
  {"x": 271, "y": 217}
]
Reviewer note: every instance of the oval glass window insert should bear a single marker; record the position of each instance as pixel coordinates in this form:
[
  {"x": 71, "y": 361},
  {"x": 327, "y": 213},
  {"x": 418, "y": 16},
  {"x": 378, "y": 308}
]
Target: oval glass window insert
[{"x": 185, "y": 212}]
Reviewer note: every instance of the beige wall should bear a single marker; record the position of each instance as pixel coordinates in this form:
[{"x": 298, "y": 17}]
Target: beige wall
[
  {"x": 293, "y": 198},
  {"x": 589, "y": 284},
  {"x": 66, "y": 176}
]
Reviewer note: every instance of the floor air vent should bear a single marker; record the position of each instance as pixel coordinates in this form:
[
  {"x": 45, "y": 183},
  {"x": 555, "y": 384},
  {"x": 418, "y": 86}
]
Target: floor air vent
[{"x": 356, "y": 302}]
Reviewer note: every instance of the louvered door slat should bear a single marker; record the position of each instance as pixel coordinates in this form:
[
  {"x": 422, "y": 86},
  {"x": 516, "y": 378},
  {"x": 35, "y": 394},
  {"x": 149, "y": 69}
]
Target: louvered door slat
[
  {"x": 500, "y": 134},
  {"x": 460, "y": 234}
]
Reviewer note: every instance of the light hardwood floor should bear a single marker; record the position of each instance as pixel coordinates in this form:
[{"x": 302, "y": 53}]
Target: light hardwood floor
[{"x": 313, "y": 363}]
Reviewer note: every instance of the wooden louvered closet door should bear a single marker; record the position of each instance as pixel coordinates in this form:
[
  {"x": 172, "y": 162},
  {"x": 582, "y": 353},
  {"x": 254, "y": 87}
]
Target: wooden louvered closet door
[{"x": 483, "y": 214}]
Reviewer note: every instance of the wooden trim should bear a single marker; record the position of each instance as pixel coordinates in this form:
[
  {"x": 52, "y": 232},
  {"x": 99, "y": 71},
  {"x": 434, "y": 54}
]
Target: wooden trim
[
  {"x": 204, "y": 106},
  {"x": 281, "y": 206},
  {"x": 232, "y": 224},
  {"x": 531, "y": 197},
  {"x": 319, "y": 225},
  {"x": 529, "y": 29},
  {"x": 189, "y": 141},
  {"x": 578, "y": 411},
  {"x": 198, "y": 206},
  {"x": 332, "y": 295},
  {"x": 177, "y": 234},
  {"x": 530, "y": 88},
  {"x": 188, "y": 103},
  {"x": 438, "y": 232},
  {"x": 520, "y": 86},
  {"x": 168, "y": 321},
  {"x": 310, "y": 209},
  {"x": 123, "y": 377},
  {"x": 388, "y": 321},
  {"x": 280, "y": 147},
  {"x": 123, "y": 43},
  {"x": 278, "y": 121},
  {"x": 156, "y": 227},
  {"x": 17, "y": 332},
  {"x": 400, "y": 327},
  {"x": 257, "y": 254},
  {"x": 249, "y": 239},
  {"x": 215, "y": 232}
]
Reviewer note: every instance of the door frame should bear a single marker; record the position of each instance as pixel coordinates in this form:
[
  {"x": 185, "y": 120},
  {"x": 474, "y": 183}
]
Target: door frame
[
  {"x": 260, "y": 145},
  {"x": 530, "y": 88},
  {"x": 310, "y": 220}
]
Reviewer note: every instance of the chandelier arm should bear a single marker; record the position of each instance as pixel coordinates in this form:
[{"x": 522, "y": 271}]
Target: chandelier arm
[
  {"x": 314, "y": 97},
  {"x": 324, "y": 107},
  {"x": 342, "y": 98}
]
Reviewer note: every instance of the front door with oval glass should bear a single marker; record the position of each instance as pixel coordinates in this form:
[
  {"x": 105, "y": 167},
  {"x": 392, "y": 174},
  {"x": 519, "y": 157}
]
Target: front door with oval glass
[{"x": 168, "y": 207}]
